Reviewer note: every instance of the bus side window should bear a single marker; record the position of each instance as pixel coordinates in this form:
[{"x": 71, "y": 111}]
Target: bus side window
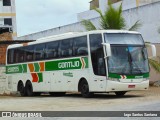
[
  {"x": 39, "y": 51},
  {"x": 16, "y": 54},
  {"x": 10, "y": 56},
  {"x": 52, "y": 50},
  {"x": 20, "y": 54},
  {"x": 80, "y": 46},
  {"x": 29, "y": 53},
  {"x": 66, "y": 48}
]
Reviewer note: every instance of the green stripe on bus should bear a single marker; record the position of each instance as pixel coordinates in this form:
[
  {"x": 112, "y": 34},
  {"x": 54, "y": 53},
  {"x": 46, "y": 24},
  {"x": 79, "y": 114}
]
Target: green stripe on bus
[
  {"x": 68, "y": 64},
  {"x": 36, "y": 67},
  {"x": 40, "y": 76},
  {"x": 24, "y": 68},
  {"x": 113, "y": 75},
  {"x": 65, "y": 64},
  {"x": 86, "y": 62}
]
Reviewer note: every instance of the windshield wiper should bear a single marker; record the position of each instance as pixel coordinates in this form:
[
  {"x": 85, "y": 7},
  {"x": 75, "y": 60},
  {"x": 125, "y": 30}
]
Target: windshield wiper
[
  {"x": 130, "y": 60},
  {"x": 143, "y": 54}
]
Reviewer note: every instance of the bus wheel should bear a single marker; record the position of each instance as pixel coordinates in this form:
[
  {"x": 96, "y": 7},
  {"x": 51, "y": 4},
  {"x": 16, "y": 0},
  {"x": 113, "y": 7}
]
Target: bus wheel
[
  {"x": 57, "y": 94},
  {"x": 84, "y": 88},
  {"x": 29, "y": 89},
  {"x": 21, "y": 89},
  {"x": 120, "y": 94}
]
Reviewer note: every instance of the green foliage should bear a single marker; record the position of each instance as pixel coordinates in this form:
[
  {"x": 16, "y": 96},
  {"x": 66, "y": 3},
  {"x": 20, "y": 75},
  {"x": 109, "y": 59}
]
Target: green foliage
[
  {"x": 154, "y": 64},
  {"x": 135, "y": 26},
  {"x": 88, "y": 25},
  {"x": 112, "y": 19}
]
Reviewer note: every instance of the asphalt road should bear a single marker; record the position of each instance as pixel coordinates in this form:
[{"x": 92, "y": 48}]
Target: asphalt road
[{"x": 132, "y": 101}]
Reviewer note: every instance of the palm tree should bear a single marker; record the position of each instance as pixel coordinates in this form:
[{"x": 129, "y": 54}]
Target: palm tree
[{"x": 113, "y": 19}]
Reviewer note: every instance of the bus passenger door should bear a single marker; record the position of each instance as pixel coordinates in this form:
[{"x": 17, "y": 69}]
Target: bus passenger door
[{"x": 98, "y": 73}]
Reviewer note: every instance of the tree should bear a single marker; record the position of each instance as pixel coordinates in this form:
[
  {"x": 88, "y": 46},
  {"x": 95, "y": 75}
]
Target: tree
[{"x": 113, "y": 19}]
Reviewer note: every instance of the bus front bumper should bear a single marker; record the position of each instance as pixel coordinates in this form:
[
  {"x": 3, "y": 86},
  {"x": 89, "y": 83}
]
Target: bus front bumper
[{"x": 120, "y": 86}]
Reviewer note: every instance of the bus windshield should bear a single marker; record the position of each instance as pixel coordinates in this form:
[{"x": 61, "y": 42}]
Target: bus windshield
[{"x": 128, "y": 58}]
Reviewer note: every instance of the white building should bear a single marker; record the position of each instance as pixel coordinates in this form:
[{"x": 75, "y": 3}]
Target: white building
[
  {"x": 103, "y": 5},
  {"x": 8, "y": 17}
]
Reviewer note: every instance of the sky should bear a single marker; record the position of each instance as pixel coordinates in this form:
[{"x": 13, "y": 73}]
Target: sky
[{"x": 38, "y": 15}]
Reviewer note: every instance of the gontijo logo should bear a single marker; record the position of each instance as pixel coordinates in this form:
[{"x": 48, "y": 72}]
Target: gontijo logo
[{"x": 71, "y": 64}]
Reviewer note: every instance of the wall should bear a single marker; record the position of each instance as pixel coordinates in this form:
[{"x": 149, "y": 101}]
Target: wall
[
  {"x": 3, "y": 83},
  {"x": 149, "y": 16},
  {"x": 3, "y": 37}
]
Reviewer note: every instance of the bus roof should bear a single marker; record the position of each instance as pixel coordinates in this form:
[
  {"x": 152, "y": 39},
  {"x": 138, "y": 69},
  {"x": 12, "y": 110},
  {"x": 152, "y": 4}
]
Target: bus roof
[{"x": 71, "y": 34}]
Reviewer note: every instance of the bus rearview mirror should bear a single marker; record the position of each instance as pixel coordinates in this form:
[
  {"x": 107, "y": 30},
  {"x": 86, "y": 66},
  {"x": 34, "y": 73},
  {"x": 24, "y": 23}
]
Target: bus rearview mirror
[
  {"x": 153, "y": 47},
  {"x": 108, "y": 49}
]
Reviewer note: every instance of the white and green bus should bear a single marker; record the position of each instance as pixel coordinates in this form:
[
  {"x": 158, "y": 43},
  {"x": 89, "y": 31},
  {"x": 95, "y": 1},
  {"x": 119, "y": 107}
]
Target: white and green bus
[{"x": 87, "y": 62}]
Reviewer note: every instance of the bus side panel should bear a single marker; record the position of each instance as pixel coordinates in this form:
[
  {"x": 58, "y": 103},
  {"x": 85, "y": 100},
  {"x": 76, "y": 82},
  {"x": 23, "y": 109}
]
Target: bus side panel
[
  {"x": 58, "y": 82},
  {"x": 97, "y": 83},
  {"x": 42, "y": 82}
]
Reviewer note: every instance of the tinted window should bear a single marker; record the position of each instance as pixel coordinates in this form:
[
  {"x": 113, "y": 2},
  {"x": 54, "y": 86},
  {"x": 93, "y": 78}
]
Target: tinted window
[
  {"x": 39, "y": 51},
  {"x": 16, "y": 55},
  {"x": 6, "y": 2},
  {"x": 97, "y": 54},
  {"x": 66, "y": 48},
  {"x": 21, "y": 55},
  {"x": 52, "y": 50},
  {"x": 10, "y": 56},
  {"x": 29, "y": 53},
  {"x": 80, "y": 46}
]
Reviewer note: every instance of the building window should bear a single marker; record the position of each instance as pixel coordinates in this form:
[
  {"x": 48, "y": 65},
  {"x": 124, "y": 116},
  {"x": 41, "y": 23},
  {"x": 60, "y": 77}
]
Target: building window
[
  {"x": 8, "y": 21},
  {"x": 6, "y": 2}
]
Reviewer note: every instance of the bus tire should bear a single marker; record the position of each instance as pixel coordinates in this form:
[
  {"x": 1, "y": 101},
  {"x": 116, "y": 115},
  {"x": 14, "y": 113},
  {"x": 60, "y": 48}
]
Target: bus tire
[
  {"x": 120, "y": 94},
  {"x": 29, "y": 89},
  {"x": 21, "y": 89},
  {"x": 84, "y": 89},
  {"x": 57, "y": 94}
]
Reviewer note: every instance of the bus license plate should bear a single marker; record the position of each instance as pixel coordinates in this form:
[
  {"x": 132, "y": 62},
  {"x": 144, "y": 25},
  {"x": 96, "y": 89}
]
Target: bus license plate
[{"x": 131, "y": 86}]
